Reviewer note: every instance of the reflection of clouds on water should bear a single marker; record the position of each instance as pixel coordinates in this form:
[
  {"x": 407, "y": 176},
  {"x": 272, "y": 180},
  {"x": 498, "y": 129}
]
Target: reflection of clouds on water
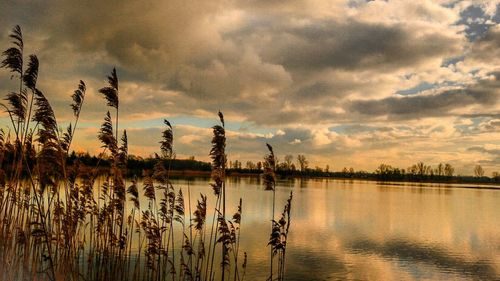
[
  {"x": 396, "y": 259},
  {"x": 360, "y": 230},
  {"x": 436, "y": 256},
  {"x": 305, "y": 265},
  {"x": 330, "y": 214}
]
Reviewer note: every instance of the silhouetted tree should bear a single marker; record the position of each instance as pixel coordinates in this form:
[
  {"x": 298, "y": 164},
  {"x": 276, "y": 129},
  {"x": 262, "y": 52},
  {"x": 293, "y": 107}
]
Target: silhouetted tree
[
  {"x": 288, "y": 162},
  {"x": 302, "y": 162},
  {"x": 440, "y": 169},
  {"x": 448, "y": 170},
  {"x": 250, "y": 165},
  {"x": 478, "y": 171}
]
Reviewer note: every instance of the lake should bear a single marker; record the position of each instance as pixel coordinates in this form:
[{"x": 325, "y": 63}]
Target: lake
[{"x": 366, "y": 230}]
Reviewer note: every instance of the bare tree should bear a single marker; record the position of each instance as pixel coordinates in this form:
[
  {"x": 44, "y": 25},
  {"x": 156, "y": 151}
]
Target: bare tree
[
  {"x": 440, "y": 169},
  {"x": 288, "y": 161},
  {"x": 302, "y": 162},
  {"x": 251, "y": 165},
  {"x": 478, "y": 171},
  {"x": 448, "y": 170}
]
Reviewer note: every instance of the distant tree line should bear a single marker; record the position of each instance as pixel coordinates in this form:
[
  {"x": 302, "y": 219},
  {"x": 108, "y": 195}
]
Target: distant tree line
[
  {"x": 299, "y": 167},
  {"x": 443, "y": 172},
  {"x": 136, "y": 164},
  {"x": 419, "y": 171}
]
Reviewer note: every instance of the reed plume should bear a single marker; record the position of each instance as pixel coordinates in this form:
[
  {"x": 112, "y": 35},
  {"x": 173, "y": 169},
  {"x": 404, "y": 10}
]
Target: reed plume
[
  {"x": 106, "y": 135},
  {"x": 78, "y": 97},
  {"x": 123, "y": 150},
  {"x": 134, "y": 193},
  {"x": 49, "y": 158},
  {"x": 218, "y": 156},
  {"x": 111, "y": 93},
  {"x": 13, "y": 61},
  {"x": 31, "y": 74},
  {"x": 17, "y": 110},
  {"x": 14, "y": 55},
  {"x": 166, "y": 144}
]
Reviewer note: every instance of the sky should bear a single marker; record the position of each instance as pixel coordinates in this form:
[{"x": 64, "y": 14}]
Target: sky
[{"x": 346, "y": 83}]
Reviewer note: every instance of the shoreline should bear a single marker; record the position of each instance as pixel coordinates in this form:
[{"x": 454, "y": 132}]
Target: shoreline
[{"x": 402, "y": 183}]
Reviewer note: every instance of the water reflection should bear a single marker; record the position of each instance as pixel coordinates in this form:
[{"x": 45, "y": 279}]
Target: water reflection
[
  {"x": 363, "y": 230},
  {"x": 434, "y": 255}
]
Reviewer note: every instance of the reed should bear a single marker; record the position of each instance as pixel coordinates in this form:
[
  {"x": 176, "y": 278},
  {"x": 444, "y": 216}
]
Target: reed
[
  {"x": 270, "y": 184},
  {"x": 71, "y": 222},
  {"x": 279, "y": 228}
]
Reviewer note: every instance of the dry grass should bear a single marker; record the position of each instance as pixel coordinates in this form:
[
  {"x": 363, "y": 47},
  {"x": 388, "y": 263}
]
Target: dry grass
[{"x": 71, "y": 223}]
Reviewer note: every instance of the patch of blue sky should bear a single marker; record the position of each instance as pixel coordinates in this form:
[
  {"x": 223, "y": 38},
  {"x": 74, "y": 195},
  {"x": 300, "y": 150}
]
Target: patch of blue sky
[
  {"x": 425, "y": 86},
  {"x": 480, "y": 119},
  {"x": 357, "y": 3},
  {"x": 340, "y": 129},
  {"x": 197, "y": 122},
  {"x": 462, "y": 128},
  {"x": 453, "y": 60},
  {"x": 477, "y": 22},
  {"x": 352, "y": 128},
  {"x": 465, "y": 128}
]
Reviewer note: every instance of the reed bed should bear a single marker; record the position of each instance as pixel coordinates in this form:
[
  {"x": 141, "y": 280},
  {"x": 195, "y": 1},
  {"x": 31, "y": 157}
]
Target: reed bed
[{"x": 61, "y": 222}]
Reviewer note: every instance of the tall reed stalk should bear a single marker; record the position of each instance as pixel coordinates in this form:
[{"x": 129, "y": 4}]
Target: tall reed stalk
[
  {"x": 270, "y": 184},
  {"x": 280, "y": 228}
]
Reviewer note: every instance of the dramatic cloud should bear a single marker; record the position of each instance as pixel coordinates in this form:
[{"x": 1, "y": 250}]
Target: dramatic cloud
[
  {"x": 484, "y": 94},
  {"x": 358, "y": 46},
  {"x": 345, "y": 82}
]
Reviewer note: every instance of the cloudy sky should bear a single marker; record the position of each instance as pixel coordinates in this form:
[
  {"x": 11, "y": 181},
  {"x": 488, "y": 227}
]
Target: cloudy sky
[{"x": 347, "y": 83}]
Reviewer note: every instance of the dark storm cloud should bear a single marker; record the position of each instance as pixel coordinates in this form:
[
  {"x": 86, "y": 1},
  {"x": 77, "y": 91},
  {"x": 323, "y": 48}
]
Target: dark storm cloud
[
  {"x": 359, "y": 128},
  {"x": 324, "y": 90},
  {"x": 314, "y": 91},
  {"x": 485, "y": 93},
  {"x": 138, "y": 35},
  {"x": 492, "y": 154},
  {"x": 299, "y": 114},
  {"x": 355, "y": 45},
  {"x": 482, "y": 149}
]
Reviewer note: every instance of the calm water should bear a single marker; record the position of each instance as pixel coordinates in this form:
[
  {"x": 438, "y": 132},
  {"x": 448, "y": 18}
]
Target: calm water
[{"x": 360, "y": 230}]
